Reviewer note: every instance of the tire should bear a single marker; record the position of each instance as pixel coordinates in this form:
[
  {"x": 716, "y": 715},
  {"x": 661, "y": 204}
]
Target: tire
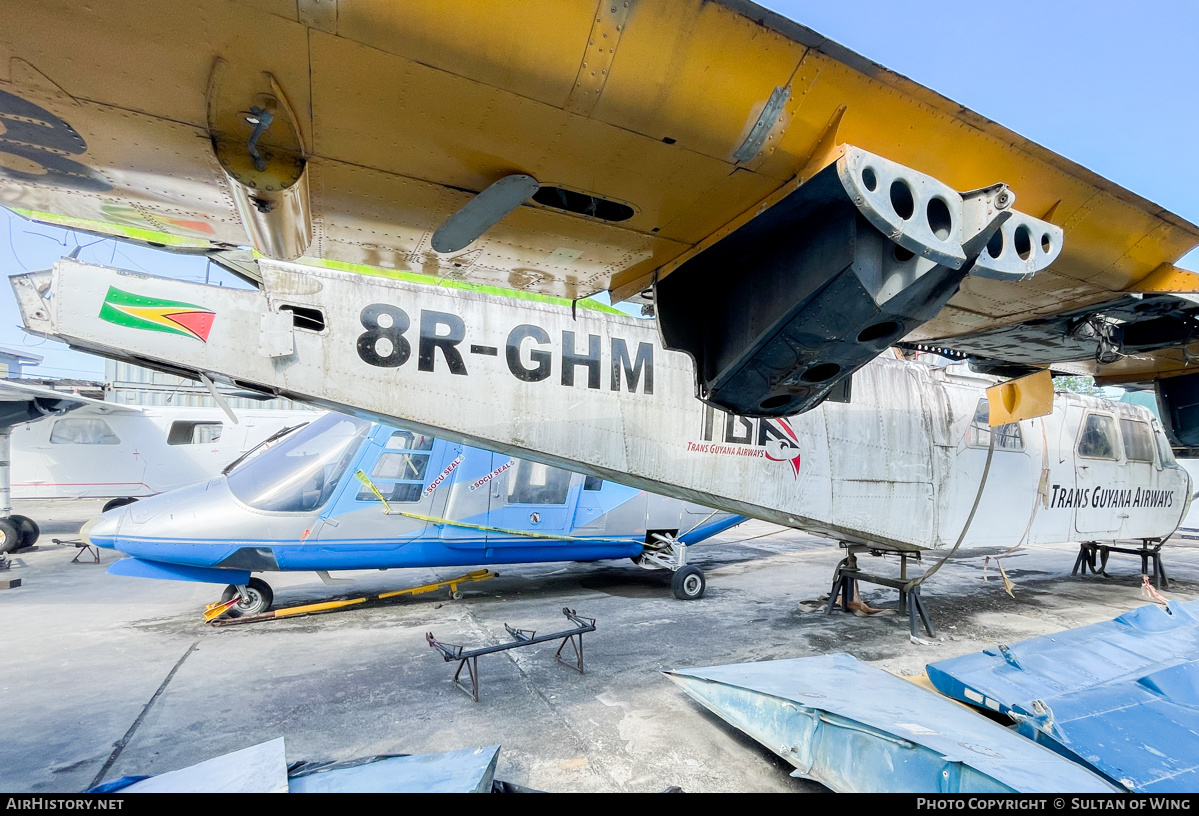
[
  {"x": 113, "y": 504},
  {"x": 256, "y": 598},
  {"x": 688, "y": 584},
  {"x": 10, "y": 536},
  {"x": 27, "y": 531}
]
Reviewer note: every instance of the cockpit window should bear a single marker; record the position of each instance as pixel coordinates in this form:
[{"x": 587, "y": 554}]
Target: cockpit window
[
  {"x": 1164, "y": 452},
  {"x": 1138, "y": 442},
  {"x": 299, "y": 474},
  {"x": 407, "y": 440},
  {"x": 1098, "y": 437},
  {"x": 399, "y": 474},
  {"x": 1007, "y": 437}
]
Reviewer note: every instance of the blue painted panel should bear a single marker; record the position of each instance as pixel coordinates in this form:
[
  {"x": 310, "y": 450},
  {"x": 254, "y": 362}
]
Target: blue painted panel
[
  {"x": 857, "y": 728},
  {"x": 1122, "y": 695},
  {"x": 714, "y": 527},
  {"x": 350, "y": 554},
  {"x": 468, "y": 771},
  {"x": 137, "y": 568}
]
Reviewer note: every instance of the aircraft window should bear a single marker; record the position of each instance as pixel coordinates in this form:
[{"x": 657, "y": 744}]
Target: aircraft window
[
  {"x": 83, "y": 432},
  {"x": 1138, "y": 444},
  {"x": 394, "y": 492},
  {"x": 400, "y": 477},
  {"x": 407, "y": 440},
  {"x": 1164, "y": 453},
  {"x": 593, "y": 483},
  {"x": 1007, "y": 437},
  {"x": 193, "y": 433},
  {"x": 1098, "y": 437},
  {"x": 534, "y": 483},
  {"x": 401, "y": 466},
  {"x": 300, "y": 473}
]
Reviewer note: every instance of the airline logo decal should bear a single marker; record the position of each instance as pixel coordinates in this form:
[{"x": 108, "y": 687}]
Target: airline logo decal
[
  {"x": 154, "y": 314},
  {"x": 724, "y": 434},
  {"x": 1102, "y": 498},
  {"x": 783, "y": 448}
]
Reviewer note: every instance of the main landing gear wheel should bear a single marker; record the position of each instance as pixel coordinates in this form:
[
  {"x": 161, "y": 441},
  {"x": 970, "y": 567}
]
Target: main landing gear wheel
[
  {"x": 27, "y": 531},
  {"x": 10, "y": 536},
  {"x": 113, "y": 504},
  {"x": 688, "y": 583},
  {"x": 256, "y": 598}
]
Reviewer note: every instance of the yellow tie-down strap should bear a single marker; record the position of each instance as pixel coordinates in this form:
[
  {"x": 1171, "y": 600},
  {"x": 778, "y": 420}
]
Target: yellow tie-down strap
[
  {"x": 215, "y": 611},
  {"x": 362, "y": 477}
]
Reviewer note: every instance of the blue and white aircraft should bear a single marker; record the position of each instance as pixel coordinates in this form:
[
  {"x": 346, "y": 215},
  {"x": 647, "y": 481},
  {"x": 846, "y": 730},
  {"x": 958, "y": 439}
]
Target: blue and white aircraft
[{"x": 346, "y": 494}]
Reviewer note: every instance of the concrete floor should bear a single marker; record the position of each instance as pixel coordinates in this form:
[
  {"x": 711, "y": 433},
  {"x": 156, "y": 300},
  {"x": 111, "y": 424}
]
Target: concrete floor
[{"x": 103, "y": 675}]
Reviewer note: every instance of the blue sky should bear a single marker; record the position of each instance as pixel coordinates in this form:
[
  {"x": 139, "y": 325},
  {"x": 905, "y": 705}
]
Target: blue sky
[{"x": 1110, "y": 85}]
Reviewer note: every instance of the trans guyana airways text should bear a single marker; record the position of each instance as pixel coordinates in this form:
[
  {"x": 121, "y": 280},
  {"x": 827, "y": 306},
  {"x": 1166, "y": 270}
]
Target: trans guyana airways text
[{"x": 1103, "y": 497}]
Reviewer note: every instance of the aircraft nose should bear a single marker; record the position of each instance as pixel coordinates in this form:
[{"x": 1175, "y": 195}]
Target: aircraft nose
[{"x": 102, "y": 530}]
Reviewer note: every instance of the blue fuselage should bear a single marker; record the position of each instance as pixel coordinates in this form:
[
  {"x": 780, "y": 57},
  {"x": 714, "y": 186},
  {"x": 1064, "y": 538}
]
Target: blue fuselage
[{"x": 343, "y": 494}]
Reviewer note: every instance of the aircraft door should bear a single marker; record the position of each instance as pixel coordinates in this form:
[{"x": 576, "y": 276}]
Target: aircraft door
[
  {"x": 1142, "y": 479},
  {"x": 1011, "y": 489},
  {"x": 534, "y": 497},
  {"x": 468, "y": 500},
  {"x": 1099, "y": 479},
  {"x": 400, "y": 465}
]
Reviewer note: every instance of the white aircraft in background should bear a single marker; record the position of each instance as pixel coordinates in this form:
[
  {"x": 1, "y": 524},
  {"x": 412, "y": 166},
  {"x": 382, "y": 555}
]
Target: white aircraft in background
[
  {"x": 124, "y": 452},
  {"x": 56, "y": 444}
]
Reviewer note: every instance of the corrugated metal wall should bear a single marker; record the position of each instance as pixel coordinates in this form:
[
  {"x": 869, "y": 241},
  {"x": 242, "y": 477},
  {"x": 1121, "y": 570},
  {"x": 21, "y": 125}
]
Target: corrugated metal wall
[{"x": 128, "y": 384}]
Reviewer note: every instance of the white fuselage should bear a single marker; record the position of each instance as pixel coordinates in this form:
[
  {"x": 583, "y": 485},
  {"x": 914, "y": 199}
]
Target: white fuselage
[{"x": 900, "y": 463}]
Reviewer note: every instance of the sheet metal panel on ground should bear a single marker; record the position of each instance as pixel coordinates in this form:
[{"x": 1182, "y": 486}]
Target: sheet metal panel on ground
[
  {"x": 264, "y": 768},
  {"x": 858, "y": 729},
  {"x": 1122, "y": 695}
]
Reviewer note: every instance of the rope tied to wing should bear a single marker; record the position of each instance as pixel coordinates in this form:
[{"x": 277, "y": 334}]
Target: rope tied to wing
[{"x": 982, "y": 484}]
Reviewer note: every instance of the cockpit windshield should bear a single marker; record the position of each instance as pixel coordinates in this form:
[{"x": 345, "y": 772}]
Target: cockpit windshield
[{"x": 302, "y": 470}]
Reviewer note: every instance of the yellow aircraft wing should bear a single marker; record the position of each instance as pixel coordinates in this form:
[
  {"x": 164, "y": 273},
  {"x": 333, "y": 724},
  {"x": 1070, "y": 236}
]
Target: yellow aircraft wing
[{"x": 647, "y": 133}]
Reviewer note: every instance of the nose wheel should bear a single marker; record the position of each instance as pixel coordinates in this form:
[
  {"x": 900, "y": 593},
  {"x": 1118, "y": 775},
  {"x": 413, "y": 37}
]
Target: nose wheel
[
  {"x": 256, "y": 598},
  {"x": 666, "y": 551},
  {"x": 688, "y": 583}
]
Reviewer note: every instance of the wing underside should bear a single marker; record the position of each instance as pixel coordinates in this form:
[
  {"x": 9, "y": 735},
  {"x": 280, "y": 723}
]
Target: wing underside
[{"x": 348, "y": 133}]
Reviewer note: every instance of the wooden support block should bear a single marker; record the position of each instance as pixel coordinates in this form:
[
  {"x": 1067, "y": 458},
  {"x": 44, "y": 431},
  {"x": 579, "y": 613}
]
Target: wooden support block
[{"x": 9, "y": 583}]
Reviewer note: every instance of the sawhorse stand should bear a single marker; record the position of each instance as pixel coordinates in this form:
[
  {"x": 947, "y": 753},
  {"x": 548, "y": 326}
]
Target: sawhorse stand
[
  {"x": 848, "y": 574},
  {"x": 1150, "y": 553},
  {"x": 90, "y": 550},
  {"x": 469, "y": 658}
]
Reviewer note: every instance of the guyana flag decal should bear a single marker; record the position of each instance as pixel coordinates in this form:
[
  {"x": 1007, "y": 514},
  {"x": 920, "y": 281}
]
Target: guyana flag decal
[{"x": 155, "y": 314}]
